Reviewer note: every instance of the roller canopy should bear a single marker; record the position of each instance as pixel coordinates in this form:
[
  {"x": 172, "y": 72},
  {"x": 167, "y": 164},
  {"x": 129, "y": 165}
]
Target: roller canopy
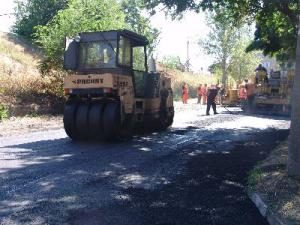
[
  {"x": 71, "y": 54},
  {"x": 136, "y": 39}
]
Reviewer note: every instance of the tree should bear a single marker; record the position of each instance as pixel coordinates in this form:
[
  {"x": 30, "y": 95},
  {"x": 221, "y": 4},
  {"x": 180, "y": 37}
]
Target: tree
[
  {"x": 294, "y": 140},
  {"x": 173, "y": 62},
  {"x": 254, "y": 9},
  {"x": 276, "y": 20},
  {"x": 79, "y": 16},
  {"x": 276, "y": 32},
  {"x": 239, "y": 63},
  {"x": 242, "y": 62},
  {"x": 31, "y": 13},
  {"x": 139, "y": 23},
  {"x": 220, "y": 42}
]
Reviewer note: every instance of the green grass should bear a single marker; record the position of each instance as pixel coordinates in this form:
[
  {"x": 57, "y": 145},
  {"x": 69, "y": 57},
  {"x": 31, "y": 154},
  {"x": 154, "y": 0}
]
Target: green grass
[
  {"x": 254, "y": 177},
  {"x": 3, "y": 113}
]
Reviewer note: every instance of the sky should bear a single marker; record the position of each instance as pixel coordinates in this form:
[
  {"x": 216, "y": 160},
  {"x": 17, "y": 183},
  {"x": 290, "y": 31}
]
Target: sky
[
  {"x": 173, "y": 38},
  {"x": 175, "y": 34},
  {"x": 6, "y": 21}
]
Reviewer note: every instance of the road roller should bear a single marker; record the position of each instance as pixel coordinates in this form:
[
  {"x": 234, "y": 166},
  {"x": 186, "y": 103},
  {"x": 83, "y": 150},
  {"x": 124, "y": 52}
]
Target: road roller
[{"x": 110, "y": 90}]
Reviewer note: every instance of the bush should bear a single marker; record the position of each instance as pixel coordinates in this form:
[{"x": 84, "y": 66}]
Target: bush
[
  {"x": 173, "y": 63},
  {"x": 3, "y": 112},
  {"x": 193, "y": 81}
]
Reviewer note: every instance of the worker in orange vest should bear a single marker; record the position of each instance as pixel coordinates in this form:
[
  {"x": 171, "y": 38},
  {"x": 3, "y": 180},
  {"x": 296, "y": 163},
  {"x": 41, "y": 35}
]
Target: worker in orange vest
[
  {"x": 185, "y": 93},
  {"x": 242, "y": 92},
  {"x": 199, "y": 94},
  {"x": 204, "y": 94},
  {"x": 250, "y": 90}
]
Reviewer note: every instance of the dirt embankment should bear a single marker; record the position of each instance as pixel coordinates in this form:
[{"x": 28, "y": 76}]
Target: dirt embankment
[
  {"x": 23, "y": 125},
  {"x": 192, "y": 79},
  {"x": 32, "y": 105},
  {"x": 278, "y": 191},
  {"x": 23, "y": 89}
]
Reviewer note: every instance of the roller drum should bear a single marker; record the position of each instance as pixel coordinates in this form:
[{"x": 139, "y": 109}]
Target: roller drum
[
  {"x": 96, "y": 120},
  {"x": 69, "y": 119}
]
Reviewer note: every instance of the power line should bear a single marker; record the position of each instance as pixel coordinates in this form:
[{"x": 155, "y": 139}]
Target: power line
[{"x": 7, "y": 14}]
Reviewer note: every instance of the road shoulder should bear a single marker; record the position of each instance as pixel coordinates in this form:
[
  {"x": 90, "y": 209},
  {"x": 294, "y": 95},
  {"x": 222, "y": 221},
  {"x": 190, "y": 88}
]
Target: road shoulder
[
  {"x": 16, "y": 126},
  {"x": 276, "y": 195}
]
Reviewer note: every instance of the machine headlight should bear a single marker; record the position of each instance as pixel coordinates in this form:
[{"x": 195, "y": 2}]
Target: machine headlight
[{"x": 77, "y": 38}]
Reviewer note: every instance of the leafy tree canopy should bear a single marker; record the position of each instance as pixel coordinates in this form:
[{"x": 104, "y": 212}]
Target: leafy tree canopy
[
  {"x": 276, "y": 20},
  {"x": 276, "y": 32},
  {"x": 31, "y": 13},
  {"x": 138, "y": 23},
  {"x": 173, "y": 62},
  {"x": 227, "y": 43},
  {"x": 90, "y": 15},
  {"x": 79, "y": 16},
  {"x": 221, "y": 41}
]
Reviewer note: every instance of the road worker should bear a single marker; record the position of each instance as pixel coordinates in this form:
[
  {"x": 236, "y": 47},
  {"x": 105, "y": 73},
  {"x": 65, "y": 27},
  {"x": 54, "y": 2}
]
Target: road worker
[
  {"x": 261, "y": 75},
  {"x": 199, "y": 94},
  {"x": 242, "y": 92},
  {"x": 212, "y": 93},
  {"x": 185, "y": 93},
  {"x": 250, "y": 90},
  {"x": 204, "y": 94},
  {"x": 164, "y": 93}
]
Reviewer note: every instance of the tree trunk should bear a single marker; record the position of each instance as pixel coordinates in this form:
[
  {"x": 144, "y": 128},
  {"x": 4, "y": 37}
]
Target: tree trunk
[
  {"x": 294, "y": 138},
  {"x": 224, "y": 74}
]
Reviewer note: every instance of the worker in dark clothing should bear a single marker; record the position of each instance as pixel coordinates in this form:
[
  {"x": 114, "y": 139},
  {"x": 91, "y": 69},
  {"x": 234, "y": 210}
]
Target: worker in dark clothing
[
  {"x": 261, "y": 67},
  {"x": 211, "y": 99},
  {"x": 261, "y": 74},
  {"x": 164, "y": 93}
]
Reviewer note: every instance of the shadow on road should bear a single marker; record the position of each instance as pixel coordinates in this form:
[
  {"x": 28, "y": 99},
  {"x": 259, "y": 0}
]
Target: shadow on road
[{"x": 184, "y": 176}]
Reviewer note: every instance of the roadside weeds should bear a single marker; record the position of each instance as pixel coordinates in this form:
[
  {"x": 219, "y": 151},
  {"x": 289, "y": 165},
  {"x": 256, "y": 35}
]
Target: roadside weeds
[
  {"x": 275, "y": 193},
  {"x": 22, "y": 125}
]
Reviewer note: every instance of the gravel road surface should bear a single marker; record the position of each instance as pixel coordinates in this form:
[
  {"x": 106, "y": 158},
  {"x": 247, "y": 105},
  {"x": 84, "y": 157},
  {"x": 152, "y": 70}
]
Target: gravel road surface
[{"x": 193, "y": 173}]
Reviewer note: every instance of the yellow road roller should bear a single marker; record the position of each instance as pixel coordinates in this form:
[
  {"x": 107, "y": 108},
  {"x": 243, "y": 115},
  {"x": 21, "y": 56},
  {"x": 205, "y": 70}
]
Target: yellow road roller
[{"x": 111, "y": 92}]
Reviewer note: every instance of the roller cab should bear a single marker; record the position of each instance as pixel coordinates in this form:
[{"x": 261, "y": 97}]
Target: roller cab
[{"x": 111, "y": 92}]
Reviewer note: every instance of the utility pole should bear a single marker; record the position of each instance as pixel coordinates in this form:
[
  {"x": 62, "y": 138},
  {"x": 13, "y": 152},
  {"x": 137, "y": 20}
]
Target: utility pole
[
  {"x": 187, "y": 64},
  {"x": 6, "y": 14}
]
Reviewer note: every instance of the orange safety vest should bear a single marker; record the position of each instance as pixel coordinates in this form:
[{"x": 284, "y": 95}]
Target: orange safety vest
[
  {"x": 199, "y": 91},
  {"x": 250, "y": 88},
  {"x": 185, "y": 90},
  {"x": 203, "y": 91},
  {"x": 242, "y": 92}
]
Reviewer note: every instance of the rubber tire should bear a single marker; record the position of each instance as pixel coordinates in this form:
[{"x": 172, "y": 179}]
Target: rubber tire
[
  {"x": 163, "y": 121},
  {"x": 170, "y": 121},
  {"x": 70, "y": 110},
  {"x": 111, "y": 121},
  {"x": 96, "y": 121},
  {"x": 81, "y": 120},
  {"x": 126, "y": 131}
]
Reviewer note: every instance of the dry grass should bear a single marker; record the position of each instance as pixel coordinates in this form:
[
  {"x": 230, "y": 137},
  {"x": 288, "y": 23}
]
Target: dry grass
[
  {"x": 23, "y": 90},
  {"x": 21, "y": 80},
  {"x": 18, "y": 67},
  {"x": 19, "y": 72},
  {"x": 279, "y": 191},
  {"x": 192, "y": 79}
]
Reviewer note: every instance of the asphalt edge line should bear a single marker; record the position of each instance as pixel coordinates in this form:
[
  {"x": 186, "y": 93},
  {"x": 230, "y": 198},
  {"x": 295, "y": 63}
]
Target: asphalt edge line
[{"x": 264, "y": 210}]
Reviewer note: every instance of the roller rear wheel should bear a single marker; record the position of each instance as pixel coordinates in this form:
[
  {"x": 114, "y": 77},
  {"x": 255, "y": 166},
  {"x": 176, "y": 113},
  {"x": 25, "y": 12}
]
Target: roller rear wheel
[
  {"x": 70, "y": 111},
  {"x": 113, "y": 127},
  {"x": 96, "y": 121},
  {"x": 127, "y": 128},
  {"x": 82, "y": 120},
  {"x": 111, "y": 121}
]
